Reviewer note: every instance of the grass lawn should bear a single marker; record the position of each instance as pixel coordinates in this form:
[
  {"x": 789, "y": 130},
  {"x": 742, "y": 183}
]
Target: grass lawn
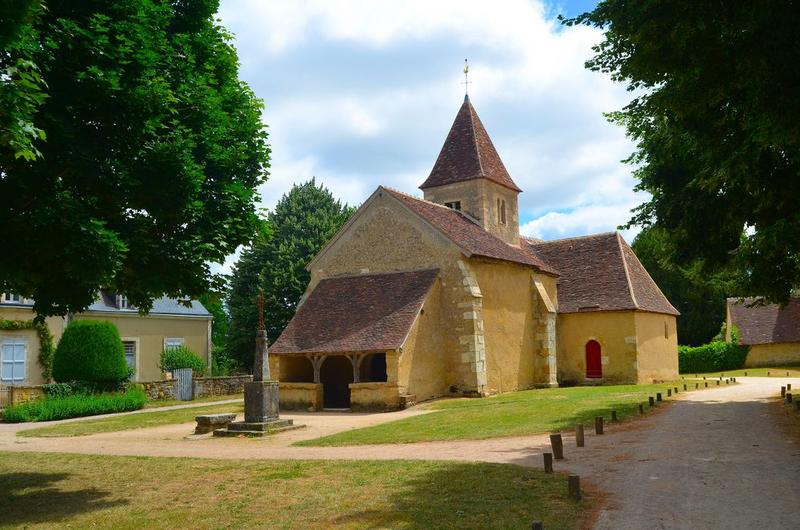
[
  {"x": 774, "y": 371},
  {"x": 79, "y": 491},
  {"x": 129, "y": 421},
  {"x": 158, "y": 403},
  {"x": 515, "y": 413}
]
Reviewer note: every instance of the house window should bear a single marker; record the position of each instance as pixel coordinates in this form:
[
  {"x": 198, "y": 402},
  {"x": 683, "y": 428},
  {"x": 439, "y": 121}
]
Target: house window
[
  {"x": 454, "y": 205},
  {"x": 666, "y": 330},
  {"x": 12, "y": 355},
  {"x": 130, "y": 353},
  {"x": 122, "y": 302},
  {"x": 173, "y": 342},
  {"x": 12, "y": 298}
]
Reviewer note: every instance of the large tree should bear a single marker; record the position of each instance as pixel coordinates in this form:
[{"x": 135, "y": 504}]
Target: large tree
[
  {"x": 301, "y": 224},
  {"x": 699, "y": 297},
  {"x": 153, "y": 152},
  {"x": 716, "y": 119}
]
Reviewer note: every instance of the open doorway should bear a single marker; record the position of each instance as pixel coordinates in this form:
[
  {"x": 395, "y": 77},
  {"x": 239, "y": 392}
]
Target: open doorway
[{"x": 336, "y": 374}]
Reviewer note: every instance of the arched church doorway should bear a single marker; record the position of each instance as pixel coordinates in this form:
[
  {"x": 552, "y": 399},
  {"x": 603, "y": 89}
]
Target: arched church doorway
[
  {"x": 336, "y": 374},
  {"x": 594, "y": 364}
]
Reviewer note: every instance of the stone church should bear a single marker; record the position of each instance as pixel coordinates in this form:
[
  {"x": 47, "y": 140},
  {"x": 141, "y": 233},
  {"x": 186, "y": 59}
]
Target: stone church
[{"x": 418, "y": 298}]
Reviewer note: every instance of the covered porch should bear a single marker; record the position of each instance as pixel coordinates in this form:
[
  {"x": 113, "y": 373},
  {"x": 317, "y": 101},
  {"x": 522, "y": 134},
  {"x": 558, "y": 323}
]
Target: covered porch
[{"x": 351, "y": 381}]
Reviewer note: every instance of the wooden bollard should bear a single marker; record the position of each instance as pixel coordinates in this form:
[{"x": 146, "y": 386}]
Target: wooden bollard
[
  {"x": 783, "y": 391},
  {"x": 696, "y": 386},
  {"x": 717, "y": 383},
  {"x": 788, "y": 387},
  {"x": 669, "y": 392},
  {"x": 704, "y": 378},
  {"x": 537, "y": 525},
  {"x": 788, "y": 397},
  {"x": 548, "y": 462},
  {"x": 579, "y": 435},
  {"x": 558, "y": 446},
  {"x": 614, "y": 415},
  {"x": 684, "y": 387},
  {"x": 641, "y": 408},
  {"x": 727, "y": 381},
  {"x": 658, "y": 396},
  {"x": 706, "y": 383},
  {"x": 598, "y": 425},
  {"x": 745, "y": 374},
  {"x": 767, "y": 373},
  {"x": 652, "y": 401},
  {"x": 787, "y": 374},
  {"x": 575, "y": 487}
]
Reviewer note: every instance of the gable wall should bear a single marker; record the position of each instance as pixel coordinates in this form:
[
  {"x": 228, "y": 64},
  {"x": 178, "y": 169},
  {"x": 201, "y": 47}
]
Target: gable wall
[
  {"x": 386, "y": 237},
  {"x": 657, "y": 346}
]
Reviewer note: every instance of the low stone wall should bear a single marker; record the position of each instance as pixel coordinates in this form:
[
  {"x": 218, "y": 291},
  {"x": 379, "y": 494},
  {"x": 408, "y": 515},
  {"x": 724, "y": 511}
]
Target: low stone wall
[
  {"x": 300, "y": 396},
  {"x": 159, "y": 389},
  {"x": 220, "y": 386},
  {"x": 371, "y": 397},
  {"x": 202, "y": 386},
  {"x": 23, "y": 394}
]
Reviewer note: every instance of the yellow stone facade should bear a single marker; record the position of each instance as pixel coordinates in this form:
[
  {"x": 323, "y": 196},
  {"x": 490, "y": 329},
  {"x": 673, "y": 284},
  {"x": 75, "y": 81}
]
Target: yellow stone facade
[
  {"x": 777, "y": 354},
  {"x": 148, "y": 332}
]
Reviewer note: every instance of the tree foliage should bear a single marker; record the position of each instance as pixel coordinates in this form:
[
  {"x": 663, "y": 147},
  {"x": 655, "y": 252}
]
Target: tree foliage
[
  {"x": 699, "y": 297},
  {"x": 153, "y": 152},
  {"x": 716, "y": 120},
  {"x": 302, "y": 222}
]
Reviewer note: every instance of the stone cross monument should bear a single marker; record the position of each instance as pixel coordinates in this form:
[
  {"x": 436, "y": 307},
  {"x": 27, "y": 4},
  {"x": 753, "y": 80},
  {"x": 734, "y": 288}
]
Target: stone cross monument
[{"x": 261, "y": 401}]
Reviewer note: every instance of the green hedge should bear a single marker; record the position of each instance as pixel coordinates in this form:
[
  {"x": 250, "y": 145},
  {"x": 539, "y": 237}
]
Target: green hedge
[
  {"x": 181, "y": 357},
  {"x": 715, "y": 356},
  {"x": 59, "y": 408},
  {"x": 90, "y": 351}
]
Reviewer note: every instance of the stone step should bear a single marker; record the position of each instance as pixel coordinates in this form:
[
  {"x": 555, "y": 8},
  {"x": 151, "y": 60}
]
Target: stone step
[
  {"x": 257, "y": 433},
  {"x": 253, "y": 426}
]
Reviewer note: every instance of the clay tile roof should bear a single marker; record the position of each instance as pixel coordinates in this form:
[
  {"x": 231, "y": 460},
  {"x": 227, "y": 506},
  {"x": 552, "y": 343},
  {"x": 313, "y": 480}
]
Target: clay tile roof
[
  {"x": 765, "y": 324},
  {"x": 468, "y": 153},
  {"x": 372, "y": 312},
  {"x": 468, "y": 235},
  {"x": 601, "y": 273}
]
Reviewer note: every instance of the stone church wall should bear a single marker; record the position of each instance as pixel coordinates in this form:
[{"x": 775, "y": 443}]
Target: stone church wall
[
  {"x": 514, "y": 325},
  {"x": 657, "y": 347},
  {"x": 616, "y": 333}
]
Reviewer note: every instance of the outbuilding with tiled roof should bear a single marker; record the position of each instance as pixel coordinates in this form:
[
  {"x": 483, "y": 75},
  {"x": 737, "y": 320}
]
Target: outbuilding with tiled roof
[{"x": 771, "y": 331}]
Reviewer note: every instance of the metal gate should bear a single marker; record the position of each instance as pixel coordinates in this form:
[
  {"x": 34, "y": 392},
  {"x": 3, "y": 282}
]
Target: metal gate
[{"x": 183, "y": 384}]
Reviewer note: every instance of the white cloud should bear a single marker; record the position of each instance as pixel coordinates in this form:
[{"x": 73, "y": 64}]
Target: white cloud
[{"x": 362, "y": 92}]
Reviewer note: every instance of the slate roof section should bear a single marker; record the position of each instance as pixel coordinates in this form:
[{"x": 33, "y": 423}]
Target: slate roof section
[
  {"x": 161, "y": 306},
  {"x": 468, "y": 153},
  {"x": 601, "y": 273},
  {"x": 468, "y": 235},
  {"x": 366, "y": 313},
  {"x": 765, "y": 324}
]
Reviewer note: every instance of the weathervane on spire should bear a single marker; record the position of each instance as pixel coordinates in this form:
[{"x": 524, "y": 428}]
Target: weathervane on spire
[{"x": 466, "y": 80}]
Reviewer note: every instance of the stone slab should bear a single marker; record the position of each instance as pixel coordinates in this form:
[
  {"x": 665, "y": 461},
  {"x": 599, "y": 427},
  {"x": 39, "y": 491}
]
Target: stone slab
[
  {"x": 256, "y": 430},
  {"x": 210, "y": 422}
]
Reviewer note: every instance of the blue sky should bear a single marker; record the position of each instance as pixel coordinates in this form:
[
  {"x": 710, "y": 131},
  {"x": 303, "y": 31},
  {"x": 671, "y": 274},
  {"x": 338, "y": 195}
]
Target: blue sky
[{"x": 360, "y": 93}]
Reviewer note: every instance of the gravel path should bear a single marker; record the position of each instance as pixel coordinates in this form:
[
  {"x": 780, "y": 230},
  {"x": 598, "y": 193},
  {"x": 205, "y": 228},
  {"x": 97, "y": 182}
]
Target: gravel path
[{"x": 711, "y": 459}]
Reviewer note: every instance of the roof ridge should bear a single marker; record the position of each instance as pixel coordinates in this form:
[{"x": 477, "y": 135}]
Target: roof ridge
[
  {"x": 573, "y": 238},
  {"x": 463, "y": 214},
  {"x": 627, "y": 271},
  {"x": 472, "y": 115}
]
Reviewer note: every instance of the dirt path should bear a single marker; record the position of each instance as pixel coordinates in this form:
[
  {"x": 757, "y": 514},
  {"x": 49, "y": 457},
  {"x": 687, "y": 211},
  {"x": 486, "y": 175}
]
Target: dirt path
[{"x": 711, "y": 459}]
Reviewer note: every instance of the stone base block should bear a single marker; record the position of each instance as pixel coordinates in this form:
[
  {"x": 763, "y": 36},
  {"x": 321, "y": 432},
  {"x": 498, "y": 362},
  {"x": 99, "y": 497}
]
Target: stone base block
[
  {"x": 256, "y": 429},
  {"x": 260, "y": 401}
]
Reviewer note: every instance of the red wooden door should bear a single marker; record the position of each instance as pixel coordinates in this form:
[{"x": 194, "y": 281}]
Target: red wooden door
[{"x": 594, "y": 366}]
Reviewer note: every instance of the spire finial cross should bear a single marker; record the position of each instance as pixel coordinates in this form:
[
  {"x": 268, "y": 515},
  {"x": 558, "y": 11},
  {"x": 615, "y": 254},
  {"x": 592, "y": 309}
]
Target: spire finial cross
[{"x": 466, "y": 79}]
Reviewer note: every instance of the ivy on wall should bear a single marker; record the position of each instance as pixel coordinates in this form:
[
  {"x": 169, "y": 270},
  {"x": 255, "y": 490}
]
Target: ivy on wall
[{"x": 46, "y": 347}]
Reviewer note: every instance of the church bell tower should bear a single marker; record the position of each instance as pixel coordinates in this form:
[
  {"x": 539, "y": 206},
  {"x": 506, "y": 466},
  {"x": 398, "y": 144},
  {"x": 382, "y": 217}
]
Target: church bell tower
[{"x": 469, "y": 176}]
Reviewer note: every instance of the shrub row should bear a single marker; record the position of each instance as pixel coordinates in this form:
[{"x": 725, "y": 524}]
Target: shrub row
[
  {"x": 715, "y": 356},
  {"x": 73, "y": 406}
]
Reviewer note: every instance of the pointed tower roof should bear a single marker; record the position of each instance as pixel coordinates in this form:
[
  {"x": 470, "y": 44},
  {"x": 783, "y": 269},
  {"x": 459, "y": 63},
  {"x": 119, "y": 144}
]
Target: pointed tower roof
[{"x": 468, "y": 153}]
